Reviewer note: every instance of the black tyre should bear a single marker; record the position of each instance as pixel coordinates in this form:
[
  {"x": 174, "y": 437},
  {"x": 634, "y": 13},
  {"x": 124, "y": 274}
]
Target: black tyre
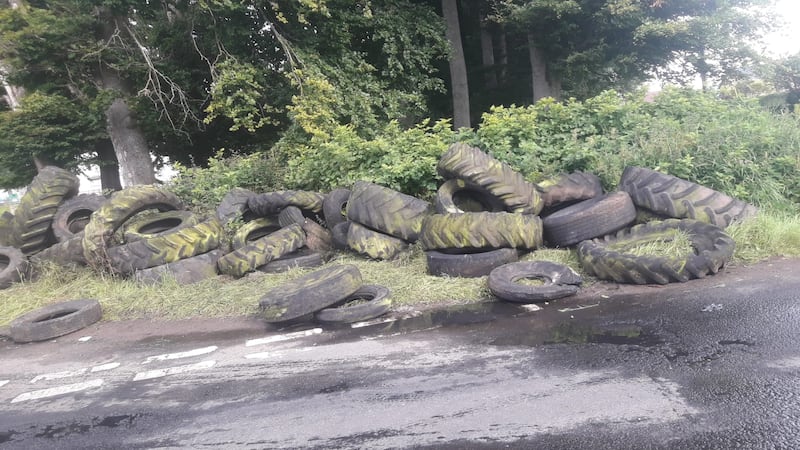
[
  {"x": 482, "y": 231},
  {"x": 339, "y": 235},
  {"x": 65, "y": 253},
  {"x": 261, "y": 251},
  {"x": 273, "y": 202},
  {"x": 569, "y": 187},
  {"x": 678, "y": 198},
  {"x": 607, "y": 259},
  {"x": 588, "y": 219},
  {"x": 318, "y": 239},
  {"x": 6, "y": 228},
  {"x": 387, "y": 210},
  {"x": 458, "y": 196},
  {"x": 302, "y": 258},
  {"x": 290, "y": 215},
  {"x": 459, "y": 263},
  {"x": 152, "y": 225},
  {"x": 310, "y": 293},
  {"x": 234, "y": 206},
  {"x": 373, "y": 243},
  {"x": 13, "y": 266},
  {"x": 55, "y": 320},
  {"x": 186, "y": 271},
  {"x": 33, "y": 216},
  {"x": 73, "y": 215},
  {"x": 368, "y": 302},
  {"x": 254, "y": 230},
  {"x": 473, "y": 165},
  {"x": 559, "y": 281},
  {"x": 334, "y": 207}
]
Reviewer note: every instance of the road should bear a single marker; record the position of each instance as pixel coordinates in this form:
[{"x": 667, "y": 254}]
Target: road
[{"x": 711, "y": 363}]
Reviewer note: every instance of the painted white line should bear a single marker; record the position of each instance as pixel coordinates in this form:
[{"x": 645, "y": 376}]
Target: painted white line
[
  {"x": 104, "y": 367},
  {"x": 150, "y": 374},
  {"x": 578, "y": 308},
  {"x": 371, "y": 322},
  {"x": 282, "y": 337},
  {"x": 267, "y": 355},
  {"x": 84, "y": 339},
  {"x": 44, "y": 393},
  {"x": 530, "y": 307},
  {"x": 188, "y": 354},
  {"x": 58, "y": 375},
  {"x": 4, "y": 382}
]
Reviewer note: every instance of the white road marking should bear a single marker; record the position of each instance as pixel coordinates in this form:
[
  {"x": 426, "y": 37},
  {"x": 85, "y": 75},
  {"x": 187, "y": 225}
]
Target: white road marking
[
  {"x": 530, "y": 307},
  {"x": 44, "y": 393},
  {"x": 84, "y": 339},
  {"x": 188, "y": 354},
  {"x": 150, "y": 374},
  {"x": 104, "y": 367},
  {"x": 58, "y": 375},
  {"x": 282, "y": 337},
  {"x": 578, "y": 308},
  {"x": 4, "y": 382},
  {"x": 267, "y": 355},
  {"x": 371, "y": 322}
]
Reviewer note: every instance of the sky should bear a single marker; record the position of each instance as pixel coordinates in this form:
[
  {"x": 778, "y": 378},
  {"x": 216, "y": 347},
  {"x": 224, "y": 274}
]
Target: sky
[{"x": 786, "y": 40}]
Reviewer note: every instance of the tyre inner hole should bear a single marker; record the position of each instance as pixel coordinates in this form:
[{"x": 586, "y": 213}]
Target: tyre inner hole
[
  {"x": 4, "y": 262},
  {"x": 532, "y": 281},
  {"x": 160, "y": 225},
  {"x": 356, "y": 300},
  {"x": 471, "y": 201},
  {"x": 258, "y": 233},
  {"x": 55, "y": 315}
]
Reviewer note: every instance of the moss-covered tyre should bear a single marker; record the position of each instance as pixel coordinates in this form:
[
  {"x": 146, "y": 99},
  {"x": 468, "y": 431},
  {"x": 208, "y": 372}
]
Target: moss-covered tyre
[
  {"x": 254, "y": 230},
  {"x": 302, "y": 258},
  {"x": 373, "y": 243},
  {"x": 569, "y": 187},
  {"x": 468, "y": 264},
  {"x": 152, "y": 225},
  {"x": 473, "y": 165},
  {"x": 166, "y": 248},
  {"x": 482, "y": 230},
  {"x": 73, "y": 215},
  {"x": 261, "y": 251},
  {"x": 609, "y": 258},
  {"x": 588, "y": 219},
  {"x": 678, "y": 198},
  {"x": 117, "y": 210},
  {"x": 339, "y": 235},
  {"x": 290, "y": 215},
  {"x": 6, "y": 227},
  {"x": 458, "y": 196},
  {"x": 13, "y": 266},
  {"x": 55, "y": 320},
  {"x": 368, "y": 302},
  {"x": 65, "y": 253},
  {"x": 334, "y": 207},
  {"x": 318, "y": 239},
  {"x": 233, "y": 206},
  {"x": 387, "y": 210},
  {"x": 186, "y": 271},
  {"x": 645, "y": 215},
  {"x": 310, "y": 293},
  {"x": 273, "y": 202},
  {"x": 33, "y": 216},
  {"x": 559, "y": 281}
]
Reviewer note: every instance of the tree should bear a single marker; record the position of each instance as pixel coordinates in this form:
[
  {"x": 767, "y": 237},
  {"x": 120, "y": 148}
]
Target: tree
[{"x": 458, "y": 66}]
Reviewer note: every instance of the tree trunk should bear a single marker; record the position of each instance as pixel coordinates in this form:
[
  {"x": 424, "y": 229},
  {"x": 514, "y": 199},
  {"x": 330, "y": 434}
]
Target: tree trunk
[
  {"x": 109, "y": 168},
  {"x": 503, "y": 54},
  {"x": 541, "y": 87},
  {"x": 487, "y": 53},
  {"x": 458, "y": 66}
]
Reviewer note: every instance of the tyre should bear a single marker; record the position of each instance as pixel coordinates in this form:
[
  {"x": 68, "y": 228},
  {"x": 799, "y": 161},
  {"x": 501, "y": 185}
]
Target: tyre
[
  {"x": 368, "y": 302},
  {"x": 473, "y": 165},
  {"x": 73, "y": 215},
  {"x": 458, "y": 196},
  {"x": 254, "y": 230},
  {"x": 65, "y": 253},
  {"x": 302, "y": 258},
  {"x": 318, "y": 239},
  {"x": 152, "y": 225},
  {"x": 334, "y": 207},
  {"x": 468, "y": 265},
  {"x": 117, "y": 210},
  {"x": 373, "y": 243},
  {"x": 186, "y": 271},
  {"x": 261, "y": 251},
  {"x": 339, "y": 235},
  {"x": 290, "y": 215},
  {"x": 678, "y": 198},
  {"x": 6, "y": 228},
  {"x": 559, "y": 281},
  {"x": 13, "y": 266},
  {"x": 234, "y": 206},
  {"x": 55, "y": 320},
  {"x": 588, "y": 219},
  {"x": 483, "y": 230},
  {"x": 33, "y": 216},
  {"x": 273, "y": 202},
  {"x": 607, "y": 258},
  {"x": 387, "y": 210},
  {"x": 569, "y": 187},
  {"x": 170, "y": 247},
  {"x": 310, "y": 293}
]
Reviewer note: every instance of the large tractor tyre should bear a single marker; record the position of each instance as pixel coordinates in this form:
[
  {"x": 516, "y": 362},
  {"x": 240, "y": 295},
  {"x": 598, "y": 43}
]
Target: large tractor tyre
[
  {"x": 569, "y": 187},
  {"x": 589, "y": 219},
  {"x": 302, "y": 258},
  {"x": 274, "y": 202},
  {"x": 374, "y": 244},
  {"x": 233, "y": 206},
  {"x": 681, "y": 199},
  {"x": 559, "y": 281},
  {"x": 334, "y": 207},
  {"x": 13, "y": 266},
  {"x": 117, "y": 210},
  {"x": 339, "y": 235},
  {"x": 368, "y": 302},
  {"x": 153, "y": 225},
  {"x": 458, "y": 196},
  {"x": 186, "y": 271},
  {"x": 310, "y": 293},
  {"x": 170, "y": 247},
  {"x": 254, "y": 230},
  {"x": 55, "y": 320},
  {"x": 387, "y": 210},
  {"x": 33, "y": 216},
  {"x": 65, "y": 253},
  {"x": 6, "y": 228},
  {"x": 73, "y": 215},
  {"x": 261, "y": 251},
  {"x": 483, "y": 230},
  {"x": 458, "y": 263},
  {"x": 471, "y": 164},
  {"x": 609, "y": 258},
  {"x": 290, "y": 215}
]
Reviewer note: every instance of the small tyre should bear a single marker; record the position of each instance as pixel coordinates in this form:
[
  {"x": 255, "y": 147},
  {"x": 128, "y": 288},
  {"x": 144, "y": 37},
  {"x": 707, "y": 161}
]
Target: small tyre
[
  {"x": 310, "y": 293},
  {"x": 73, "y": 215},
  {"x": 158, "y": 224},
  {"x": 261, "y": 251},
  {"x": 607, "y": 258},
  {"x": 302, "y": 258},
  {"x": 460, "y": 263},
  {"x": 290, "y": 215},
  {"x": 588, "y": 219},
  {"x": 373, "y": 244},
  {"x": 186, "y": 271},
  {"x": 458, "y": 196},
  {"x": 339, "y": 235},
  {"x": 273, "y": 202},
  {"x": 373, "y": 301},
  {"x": 569, "y": 187},
  {"x": 482, "y": 230},
  {"x": 233, "y": 206},
  {"x": 55, "y": 320},
  {"x": 13, "y": 266},
  {"x": 334, "y": 207},
  {"x": 254, "y": 230},
  {"x": 387, "y": 210},
  {"x": 559, "y": 281},
  {"x": 65, "y": 253},
  {"x": 318, "y": 239}
]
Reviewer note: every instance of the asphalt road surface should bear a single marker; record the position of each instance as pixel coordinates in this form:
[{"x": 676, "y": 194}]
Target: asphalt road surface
[{"x": 710, "y": 364}]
